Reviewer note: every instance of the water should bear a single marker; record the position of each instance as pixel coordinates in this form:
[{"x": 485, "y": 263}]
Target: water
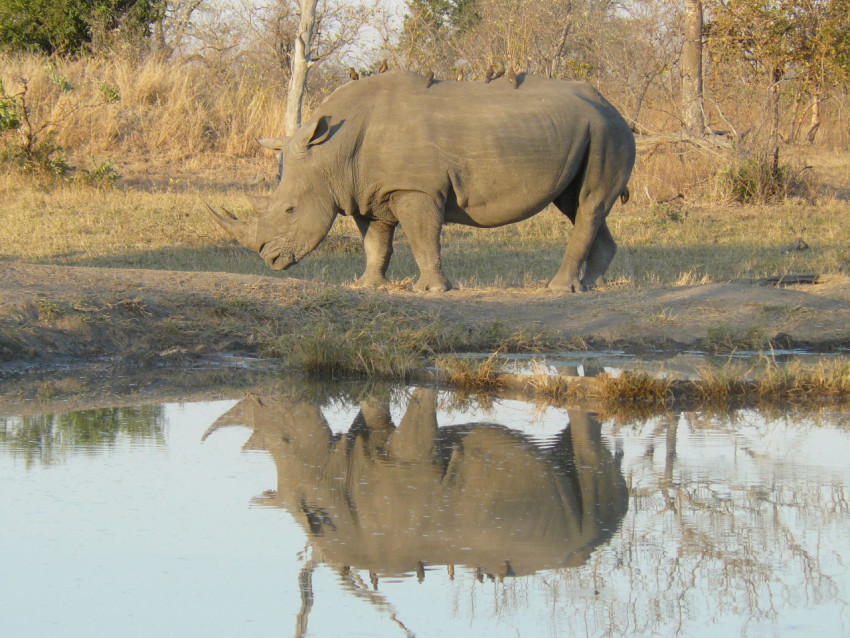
[{"x": 405, "y": 511}]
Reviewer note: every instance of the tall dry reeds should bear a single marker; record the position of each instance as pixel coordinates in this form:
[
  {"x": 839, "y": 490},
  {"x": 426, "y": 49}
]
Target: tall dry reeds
[{"x": 129, "y": 109}]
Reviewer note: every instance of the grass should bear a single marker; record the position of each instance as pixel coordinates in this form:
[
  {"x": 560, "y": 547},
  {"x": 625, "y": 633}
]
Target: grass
[
  {"x": 355, "y": 333},
  {"x": 118, "y": 107},
  {"x": 161, "y": 223},
  {"x": 148, "y": 144},
  {"x": 767, "y": 380},
  {"x": 473, "y": 374},
  {"x": 165, "y": 225}
]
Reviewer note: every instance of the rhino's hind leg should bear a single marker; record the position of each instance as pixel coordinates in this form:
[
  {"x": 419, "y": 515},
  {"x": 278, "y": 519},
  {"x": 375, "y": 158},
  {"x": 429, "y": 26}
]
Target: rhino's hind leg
[
  {"x": 421, "y": 216},
  {"x": 585, "y": 241},
  {"x": 601, "y": 255},
  {"x": 378, "y": 245}
]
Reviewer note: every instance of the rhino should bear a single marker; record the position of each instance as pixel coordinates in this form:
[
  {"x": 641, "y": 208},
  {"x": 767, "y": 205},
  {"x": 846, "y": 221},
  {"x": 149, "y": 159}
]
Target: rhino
[
  {"x": 391, "y": 149},
  {"x": 391, "y": 498}
]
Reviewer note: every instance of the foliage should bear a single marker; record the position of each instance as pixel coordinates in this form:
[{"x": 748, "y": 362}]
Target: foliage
[
  {"x": 10, "y": 111},
  {"x": 42, "y": 156},
  {"x": 759, "y": 180},
  {"x": 62, "y": 81},
  {"x": 808, "y": 38},
  {"x": 68, "y": 27},
  {"x": 109, "y": 93},
  {"x": 27, "y": 146},
  {"x": 101, "y": 175}
]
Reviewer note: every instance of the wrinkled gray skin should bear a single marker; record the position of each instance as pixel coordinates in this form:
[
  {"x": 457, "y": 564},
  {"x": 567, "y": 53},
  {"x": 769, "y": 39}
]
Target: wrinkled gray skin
[
  {"x": 388, "y": 150},
  {"x": 391, "y": 498}
]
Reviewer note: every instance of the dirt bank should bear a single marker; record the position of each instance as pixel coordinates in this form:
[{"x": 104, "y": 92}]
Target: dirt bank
[{"x": 50, "y": 312}]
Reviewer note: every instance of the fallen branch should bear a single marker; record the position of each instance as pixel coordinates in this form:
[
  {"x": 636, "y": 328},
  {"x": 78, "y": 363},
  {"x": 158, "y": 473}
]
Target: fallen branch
[{"x": 715, "y": 144}]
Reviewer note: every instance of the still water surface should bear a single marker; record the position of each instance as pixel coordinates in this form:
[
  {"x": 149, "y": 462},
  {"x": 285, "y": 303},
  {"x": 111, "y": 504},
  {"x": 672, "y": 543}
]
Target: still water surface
[{"x": 402, "y": 512}]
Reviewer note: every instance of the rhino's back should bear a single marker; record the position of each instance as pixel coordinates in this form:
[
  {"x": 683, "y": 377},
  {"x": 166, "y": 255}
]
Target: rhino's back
[{"x": 503, "y": 152}]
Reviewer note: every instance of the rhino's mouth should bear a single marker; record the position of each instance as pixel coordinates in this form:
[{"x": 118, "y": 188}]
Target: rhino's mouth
[{"x": 277, "y": 258}]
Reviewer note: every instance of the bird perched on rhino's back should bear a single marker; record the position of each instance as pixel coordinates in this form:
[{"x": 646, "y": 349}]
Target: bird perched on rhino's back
[
  {"x": 512, "y": 78},
  {"x": 353, "y": 74},
  {"x": 429, "y": 77},
  {"x": 387, "y": 151},
  {"x": 383, "y": 68},
  {"x": 499, "y": 71}
]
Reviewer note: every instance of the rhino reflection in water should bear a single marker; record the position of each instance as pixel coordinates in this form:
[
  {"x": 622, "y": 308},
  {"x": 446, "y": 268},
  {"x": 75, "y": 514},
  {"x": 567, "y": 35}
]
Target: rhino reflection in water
[{"x": 392, "y": 499}]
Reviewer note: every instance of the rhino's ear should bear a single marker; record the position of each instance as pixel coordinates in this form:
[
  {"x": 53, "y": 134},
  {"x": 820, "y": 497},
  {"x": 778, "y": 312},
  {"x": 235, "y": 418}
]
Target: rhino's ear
[{"x": 309, "y": 135}]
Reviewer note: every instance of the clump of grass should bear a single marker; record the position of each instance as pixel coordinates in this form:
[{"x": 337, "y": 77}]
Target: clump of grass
[
  {"x": 474, "y": 375},
  {"x": 723, "y": 337},
  {"x": 360, "y": 335},
  {"x": 554, "y": 388},
  {"x": 363, "y": 334},
  {"x": 664, "y": 213},
  {"x": 325, "y": 349},
  {"x": 100, "y": 175},
  {"x": 759, "y": 180},
  {"x": 635, "y": 387},
  {"x": 719, "y": 385},
  {"x": 541, "y": 383},
  {"x": 795, "y": 381}
]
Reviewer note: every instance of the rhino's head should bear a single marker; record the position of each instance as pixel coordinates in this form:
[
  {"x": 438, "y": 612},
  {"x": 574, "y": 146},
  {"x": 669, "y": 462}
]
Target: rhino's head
[{"x": 299, "y": 214}]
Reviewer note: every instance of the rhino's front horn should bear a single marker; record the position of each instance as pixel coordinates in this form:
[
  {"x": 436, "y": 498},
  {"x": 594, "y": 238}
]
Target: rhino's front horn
[{"x": 243, "y": 232}]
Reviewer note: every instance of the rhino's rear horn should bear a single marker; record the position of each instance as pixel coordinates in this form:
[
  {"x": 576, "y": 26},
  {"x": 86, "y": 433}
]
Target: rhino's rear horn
[{"x": 261, "y": 204}]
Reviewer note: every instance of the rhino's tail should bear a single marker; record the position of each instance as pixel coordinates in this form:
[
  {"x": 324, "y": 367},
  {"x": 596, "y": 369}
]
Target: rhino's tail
[{"x": 624, "y": 196}]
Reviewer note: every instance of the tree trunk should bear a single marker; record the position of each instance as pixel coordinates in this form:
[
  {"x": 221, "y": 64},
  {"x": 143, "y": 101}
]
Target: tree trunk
[
  {"x": 813, "y": 129},
  {"x": 692, "y": 102},
  {"x": 776, "y": 76},
  {"x": 184, "y": 11},
  {"x": 300, "y": 66},
  {"x": 158, "y": 44}
]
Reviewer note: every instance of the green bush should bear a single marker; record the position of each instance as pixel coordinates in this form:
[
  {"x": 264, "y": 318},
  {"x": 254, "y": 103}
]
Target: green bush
[
  {"x": 101, "y": 175},
  {"x": 42, "y": 157},
  {"x": 10, "y": 111},
  {"x": 758, "y": 180},
  {"x": 67, "y": 27}
]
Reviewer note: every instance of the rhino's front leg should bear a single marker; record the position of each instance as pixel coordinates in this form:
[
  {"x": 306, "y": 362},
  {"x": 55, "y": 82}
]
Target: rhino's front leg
[
  {"x": 378, "y": 244},
  {"x": 421, "y": 216}
]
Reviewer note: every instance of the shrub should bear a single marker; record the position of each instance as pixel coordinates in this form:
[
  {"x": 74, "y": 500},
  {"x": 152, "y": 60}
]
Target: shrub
[
  {"x": 760, "y": 180},
  {"x": 10, "y": 111},
  {"x": 67, "y": 27},
  {"x": 101, "y": 175}
]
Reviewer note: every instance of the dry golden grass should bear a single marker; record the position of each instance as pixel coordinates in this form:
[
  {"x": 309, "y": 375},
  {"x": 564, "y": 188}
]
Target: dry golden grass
[
  {"x": 635, "y": 387},
  {"x": 472, "y": 374},
  {"x": 795, "y": 381},
  {"x": 165, "y": 225},
  {"x": 130, "y": 110},
  {"x": 180, "y": 135}
]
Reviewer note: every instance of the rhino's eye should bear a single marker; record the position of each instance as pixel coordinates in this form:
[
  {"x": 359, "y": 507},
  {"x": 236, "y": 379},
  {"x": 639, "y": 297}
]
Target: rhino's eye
[{"x": 289, "y": 210}]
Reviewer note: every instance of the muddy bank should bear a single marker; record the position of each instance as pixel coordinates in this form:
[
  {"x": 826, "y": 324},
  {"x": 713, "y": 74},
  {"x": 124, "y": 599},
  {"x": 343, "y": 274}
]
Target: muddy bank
[{"x": 149, "y": 318}]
